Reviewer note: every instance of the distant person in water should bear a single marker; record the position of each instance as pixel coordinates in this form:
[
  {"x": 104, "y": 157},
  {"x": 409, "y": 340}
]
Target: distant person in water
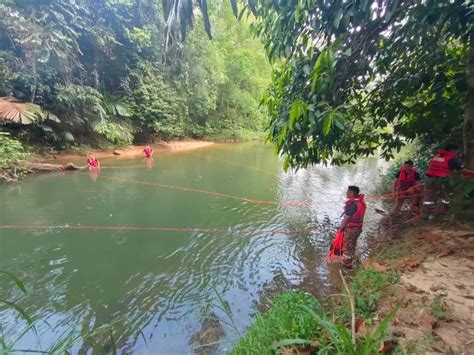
[
  {"x": 148, "y": 151},
  {"x": 92, "y": 162}
]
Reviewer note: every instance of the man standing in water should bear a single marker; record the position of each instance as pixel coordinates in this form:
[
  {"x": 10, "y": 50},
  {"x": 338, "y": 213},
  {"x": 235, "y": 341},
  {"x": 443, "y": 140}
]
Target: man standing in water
[{"x": 354, "y": 212}]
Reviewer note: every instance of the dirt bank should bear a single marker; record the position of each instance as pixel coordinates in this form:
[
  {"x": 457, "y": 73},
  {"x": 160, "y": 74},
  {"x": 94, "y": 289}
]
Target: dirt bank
[
  {"x": 123, "y": 152},
  {"x": 435, "y": 291}
]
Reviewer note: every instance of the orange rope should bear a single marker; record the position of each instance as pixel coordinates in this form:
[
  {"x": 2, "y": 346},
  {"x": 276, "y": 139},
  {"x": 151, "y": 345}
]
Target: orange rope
[
  {"x": 167, "y": 229},
  {"x": 175, "y": 187},
  {"x": 162, "y": 229},
  {"x": 247, "y": 199}
]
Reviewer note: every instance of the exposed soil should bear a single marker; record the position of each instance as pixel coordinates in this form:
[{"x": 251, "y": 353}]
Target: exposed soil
[
  {"x": 436, "y": 288},
  {"x": 124, "y": 152}
]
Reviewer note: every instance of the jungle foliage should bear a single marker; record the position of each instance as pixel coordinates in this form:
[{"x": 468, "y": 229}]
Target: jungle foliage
[
  {"x": 109, "y": 70},
  {"x": 356, "y": 77}
]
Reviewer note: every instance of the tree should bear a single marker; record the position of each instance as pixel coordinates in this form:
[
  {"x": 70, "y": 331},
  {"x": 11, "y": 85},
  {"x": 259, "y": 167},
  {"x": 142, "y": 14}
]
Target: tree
[{"x": 352, "y": 77}]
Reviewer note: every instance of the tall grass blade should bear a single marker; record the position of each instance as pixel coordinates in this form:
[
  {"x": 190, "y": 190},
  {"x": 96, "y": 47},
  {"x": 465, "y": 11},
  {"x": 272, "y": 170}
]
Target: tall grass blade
[
  {"x": 114, "y": 344},
  {"x": 19, "y": 310},
  {"x": 225, "y": 308},
  {"x": 17, "y": 281}
]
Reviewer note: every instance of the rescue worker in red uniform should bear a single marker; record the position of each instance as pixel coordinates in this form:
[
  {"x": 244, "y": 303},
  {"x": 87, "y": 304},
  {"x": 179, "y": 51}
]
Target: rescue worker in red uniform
[
  {"x": 444, "y": 163},
  {"x": 148, "y": 151},
  {"x": 354, "y": 212},
  {"x": 407, "y": 185},
  {"x": 92, "y": 162}
]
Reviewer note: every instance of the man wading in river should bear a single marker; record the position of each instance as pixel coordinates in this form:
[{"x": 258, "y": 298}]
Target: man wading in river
[{"x": 354, "y": 211}]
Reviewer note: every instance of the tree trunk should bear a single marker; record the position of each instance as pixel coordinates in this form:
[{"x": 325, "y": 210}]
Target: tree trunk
[
  {"x": 35, "y": 85},
  {"x": 49, "y": 168},
  {"x": 468, "y": 129}
]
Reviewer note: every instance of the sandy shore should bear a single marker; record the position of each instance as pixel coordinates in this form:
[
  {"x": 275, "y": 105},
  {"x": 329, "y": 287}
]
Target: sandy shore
[{"x": 130, "y": 151}]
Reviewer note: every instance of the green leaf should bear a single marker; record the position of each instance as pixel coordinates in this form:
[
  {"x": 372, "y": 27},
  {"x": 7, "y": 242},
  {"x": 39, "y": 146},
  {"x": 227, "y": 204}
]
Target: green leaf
[
  {"x": 327, "y": 123},
  {"x": 339, "y": 124},
  {"x": 286, "y": 163},
  {"x": 17, "y": 281},
  {"x": 295, "y": 113},
  {"x": 337, "y": 18}
]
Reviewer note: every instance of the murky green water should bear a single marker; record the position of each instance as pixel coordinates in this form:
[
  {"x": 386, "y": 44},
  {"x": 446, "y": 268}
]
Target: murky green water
[{"x": 162, "y": 284}]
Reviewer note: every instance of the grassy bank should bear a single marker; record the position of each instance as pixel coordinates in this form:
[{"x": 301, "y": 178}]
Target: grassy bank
[
  {"x": 411, "y": 297},
  {"x": 297, "y": 320}
]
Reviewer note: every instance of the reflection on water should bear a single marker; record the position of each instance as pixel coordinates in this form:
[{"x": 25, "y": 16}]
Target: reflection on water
[{"x": 167, "y": 285}]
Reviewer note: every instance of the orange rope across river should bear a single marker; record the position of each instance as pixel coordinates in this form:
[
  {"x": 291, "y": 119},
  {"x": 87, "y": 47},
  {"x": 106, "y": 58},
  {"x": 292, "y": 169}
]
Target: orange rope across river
[
  {"x": 165, "y": 229},
  {"x": 161, "y": 229},
  {"x": 245, "y": 199}
]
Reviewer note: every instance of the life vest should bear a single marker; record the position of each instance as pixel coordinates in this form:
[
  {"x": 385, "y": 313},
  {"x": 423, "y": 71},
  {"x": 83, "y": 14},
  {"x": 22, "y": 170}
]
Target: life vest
[
  {"x": 93, "y": 163},
  {"x": 439, "y": 164},
  {"x": 148, "y": 152},
  {"x": 357, "y": 219},
  {"x": 405, "y": 181},
  {"x": 336, "y": 252}
]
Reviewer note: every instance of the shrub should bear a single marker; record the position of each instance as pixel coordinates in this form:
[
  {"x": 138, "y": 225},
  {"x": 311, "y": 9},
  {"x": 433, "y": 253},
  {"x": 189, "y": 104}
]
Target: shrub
[{"x": 11, "y": 151}]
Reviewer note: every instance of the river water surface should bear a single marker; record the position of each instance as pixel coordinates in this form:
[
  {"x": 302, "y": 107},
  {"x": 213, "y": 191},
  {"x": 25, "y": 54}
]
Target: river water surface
[{"x": 182, "y": 250}]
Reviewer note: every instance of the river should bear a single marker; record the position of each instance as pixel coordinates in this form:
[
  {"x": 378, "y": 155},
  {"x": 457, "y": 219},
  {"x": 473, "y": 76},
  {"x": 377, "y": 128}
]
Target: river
[{"x": 161, "y": 249}]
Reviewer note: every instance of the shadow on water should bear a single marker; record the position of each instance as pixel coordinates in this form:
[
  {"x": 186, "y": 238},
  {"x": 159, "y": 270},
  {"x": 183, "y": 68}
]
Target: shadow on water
[{"x": 162, "y": 283}]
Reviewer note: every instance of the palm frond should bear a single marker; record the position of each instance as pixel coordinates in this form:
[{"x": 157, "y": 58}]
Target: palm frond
[{"x": 13, "y": 110}]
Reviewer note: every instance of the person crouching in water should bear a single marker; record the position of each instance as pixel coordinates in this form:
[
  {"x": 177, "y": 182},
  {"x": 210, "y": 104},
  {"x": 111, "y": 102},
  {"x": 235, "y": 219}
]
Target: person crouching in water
[
  {"x": 354, "y": 212},
  {"x": 148, "y": 151},
  {"x": 92, "y": 162},
  {"x": 407, "y": 185}
]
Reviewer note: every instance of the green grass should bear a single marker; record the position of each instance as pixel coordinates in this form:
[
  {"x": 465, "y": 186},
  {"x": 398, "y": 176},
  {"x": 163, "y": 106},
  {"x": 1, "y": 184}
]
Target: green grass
[
  {"x": 298, "y": 318},
  {"x": 418, "y": 347},
  {"x": 438, "y": 309},
  {"x": 368, "y": 286},
  {"x": 285, "y": 319},
  {"x": 392, "y": 252}
]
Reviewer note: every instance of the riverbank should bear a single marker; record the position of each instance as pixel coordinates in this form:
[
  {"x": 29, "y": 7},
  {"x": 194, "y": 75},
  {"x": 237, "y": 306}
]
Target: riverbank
[
  {"x": 120, "y": 152},
  {"x": 419, "y": 279},
  {"x": 435, "y": 262},
  {"x": 55, "y": 160}
]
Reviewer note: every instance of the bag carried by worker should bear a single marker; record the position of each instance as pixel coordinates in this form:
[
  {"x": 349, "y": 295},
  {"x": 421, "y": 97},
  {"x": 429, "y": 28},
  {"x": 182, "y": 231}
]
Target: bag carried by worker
[{"x": 336, "y": 253}]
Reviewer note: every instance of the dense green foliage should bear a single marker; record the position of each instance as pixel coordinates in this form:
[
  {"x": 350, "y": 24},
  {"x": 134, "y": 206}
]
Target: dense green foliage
[
  {"x": 11, "y": 151},
  {"x": 101, "y": 67},
  {"x": 353, "y": 77}
]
